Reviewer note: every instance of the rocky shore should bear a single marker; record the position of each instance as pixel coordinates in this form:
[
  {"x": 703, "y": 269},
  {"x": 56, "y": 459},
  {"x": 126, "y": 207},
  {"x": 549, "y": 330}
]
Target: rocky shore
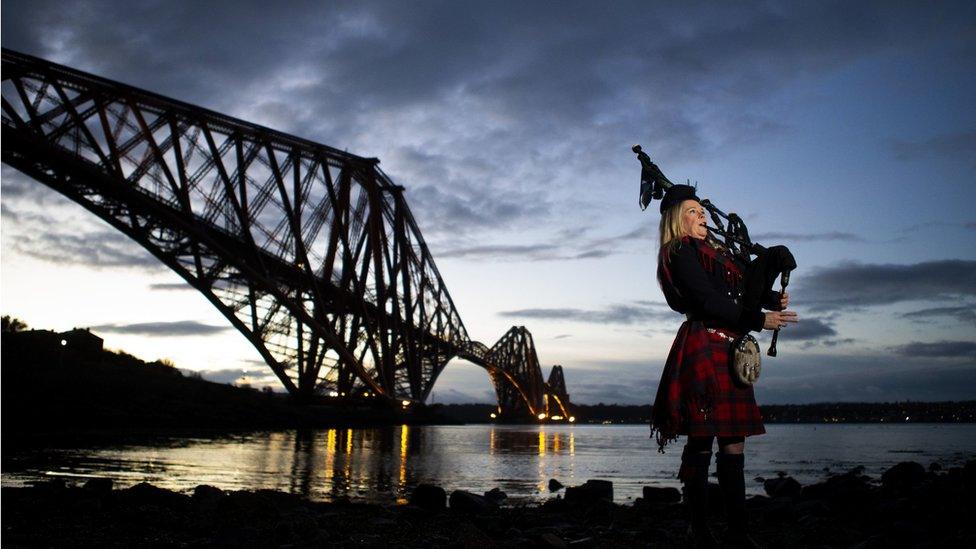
[{"x": 908, "y": 506}]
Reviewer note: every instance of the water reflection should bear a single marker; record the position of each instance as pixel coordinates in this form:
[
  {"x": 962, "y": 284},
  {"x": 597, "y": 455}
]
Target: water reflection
[{"x": 385, "y": 464}]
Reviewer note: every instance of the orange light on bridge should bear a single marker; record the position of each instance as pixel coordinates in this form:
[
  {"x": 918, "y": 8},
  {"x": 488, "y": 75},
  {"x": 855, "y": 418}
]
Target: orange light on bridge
[
  {"x": 542, "y": 415},
  {"x": 493, "y": 415},
  {"x": 405, "y": 403},
  {"x": 557, "y": 418},
  {"x": 572, "y": 419}
]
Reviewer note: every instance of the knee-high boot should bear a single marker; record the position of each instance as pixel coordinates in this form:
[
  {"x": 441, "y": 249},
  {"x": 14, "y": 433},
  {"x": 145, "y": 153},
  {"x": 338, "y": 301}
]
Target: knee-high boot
[
  {"x": 694, "y": 475},
  {"x": 732, "y": 481}
]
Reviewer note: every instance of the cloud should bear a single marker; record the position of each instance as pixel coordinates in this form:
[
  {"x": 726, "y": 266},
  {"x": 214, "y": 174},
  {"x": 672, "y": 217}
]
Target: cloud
[
  {"x": 615, "y": 314},
  {"x": 960, "y": 145},
  {"x": 809, "y": 329},
  {"x": 170, "y": 286},
  {"x": 832, "y": 236},
  {"x": 163, "y": 329},
  {"x": 562, "y": 336},
  {"x": 965, "y": 314},
  {"x": 501, "y": 251},
  {"x": 853, "y": 285},
  {"x": 938, "y": 349},
  {"x": 486, "y": 137}
]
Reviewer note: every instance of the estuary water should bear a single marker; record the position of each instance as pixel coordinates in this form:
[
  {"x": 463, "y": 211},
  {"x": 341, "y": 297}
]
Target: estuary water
[{"x": 383, "y": 465}]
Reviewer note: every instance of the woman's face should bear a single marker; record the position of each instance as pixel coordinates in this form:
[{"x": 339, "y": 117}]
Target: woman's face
[{"x": 693, "y": 219}]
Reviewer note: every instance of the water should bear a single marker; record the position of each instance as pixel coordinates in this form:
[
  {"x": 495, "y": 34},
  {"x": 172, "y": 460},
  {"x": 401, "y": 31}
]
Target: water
[{"x": 384, "y": 464}]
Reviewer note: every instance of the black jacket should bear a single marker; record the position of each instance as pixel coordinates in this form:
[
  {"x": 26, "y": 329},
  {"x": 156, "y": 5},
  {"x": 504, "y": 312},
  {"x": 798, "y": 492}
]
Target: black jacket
[{"x": 706, "y": 285}]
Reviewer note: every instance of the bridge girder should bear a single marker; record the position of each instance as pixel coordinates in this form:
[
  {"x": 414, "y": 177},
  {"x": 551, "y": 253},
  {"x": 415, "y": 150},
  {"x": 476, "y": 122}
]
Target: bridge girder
[{"x": 310, "y": 252}]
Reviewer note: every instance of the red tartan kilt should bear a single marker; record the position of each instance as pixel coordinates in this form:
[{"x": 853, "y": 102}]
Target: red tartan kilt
[
  {"x": 698, "y": 365},
  {"x": 734, "y": 408}
]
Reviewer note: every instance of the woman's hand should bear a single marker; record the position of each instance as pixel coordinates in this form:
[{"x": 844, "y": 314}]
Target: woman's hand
[{"x": 779, "y": 319}]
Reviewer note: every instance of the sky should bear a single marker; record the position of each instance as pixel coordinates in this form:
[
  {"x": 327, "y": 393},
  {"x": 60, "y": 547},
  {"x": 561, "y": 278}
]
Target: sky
[{"x": 843, "y": 130}]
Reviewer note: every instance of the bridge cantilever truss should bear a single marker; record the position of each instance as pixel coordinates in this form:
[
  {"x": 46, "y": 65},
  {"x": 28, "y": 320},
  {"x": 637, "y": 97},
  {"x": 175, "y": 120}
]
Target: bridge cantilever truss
[{"x": 310, "y": 252}]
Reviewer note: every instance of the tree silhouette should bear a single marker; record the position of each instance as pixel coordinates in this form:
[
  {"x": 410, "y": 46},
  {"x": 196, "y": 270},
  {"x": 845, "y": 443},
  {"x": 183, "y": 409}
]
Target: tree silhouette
[{"x": 11, "y": 324}]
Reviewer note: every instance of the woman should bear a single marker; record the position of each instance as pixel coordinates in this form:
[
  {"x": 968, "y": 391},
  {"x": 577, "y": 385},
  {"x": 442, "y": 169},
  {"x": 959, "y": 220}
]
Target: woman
[{"x": 697, "y": 396}]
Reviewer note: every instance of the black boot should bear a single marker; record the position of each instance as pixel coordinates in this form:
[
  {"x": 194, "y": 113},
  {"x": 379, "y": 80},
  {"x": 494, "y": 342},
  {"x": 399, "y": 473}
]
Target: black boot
[
  {"x": 732, "y": 480},
  {"x": 694, "y": 475}
]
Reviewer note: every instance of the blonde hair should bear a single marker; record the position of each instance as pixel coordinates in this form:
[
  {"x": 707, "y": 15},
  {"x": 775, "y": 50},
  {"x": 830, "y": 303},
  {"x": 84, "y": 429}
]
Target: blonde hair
[{"x": 670, "y": 228}]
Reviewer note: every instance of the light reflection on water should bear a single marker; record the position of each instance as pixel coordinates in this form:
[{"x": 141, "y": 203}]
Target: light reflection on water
[{"x": 384, "y": 464}]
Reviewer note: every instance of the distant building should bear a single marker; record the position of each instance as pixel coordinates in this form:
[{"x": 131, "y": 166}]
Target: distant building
[
  {"x": 81, "y": 340},
  {"x": 47, "y": 345}
]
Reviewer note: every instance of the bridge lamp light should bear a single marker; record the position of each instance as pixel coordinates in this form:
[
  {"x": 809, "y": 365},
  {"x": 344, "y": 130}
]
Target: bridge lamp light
[
  {"x": 557, "y": 418},
  {"x": 64, "y": 342},
  {"x": 542, "y": 415},
  {"x": 572, "y": 419},
  {"x": 405, "y": 403},
  {"x": 334, "y": 394},
  {"x": 493, "y": 415}
]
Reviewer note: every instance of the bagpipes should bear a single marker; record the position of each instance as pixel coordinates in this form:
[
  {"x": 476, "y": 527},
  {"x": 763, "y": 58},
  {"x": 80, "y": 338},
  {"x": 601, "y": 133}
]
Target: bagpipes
[{"x": 731, "y": 231}]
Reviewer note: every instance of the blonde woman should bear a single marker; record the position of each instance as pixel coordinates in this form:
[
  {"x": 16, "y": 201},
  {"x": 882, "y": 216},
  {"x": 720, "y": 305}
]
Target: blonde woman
[{"x": 697, "y": 395}]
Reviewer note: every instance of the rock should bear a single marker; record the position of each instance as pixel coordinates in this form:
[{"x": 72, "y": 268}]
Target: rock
[
  {"x": 780, "y": 510},
  {"x": 205, "y": 492},
  {"x": 905, "y": 475},
  {"x": 555, "y": 485},
  {"x": 430, "y": 497},
  {"x": 814, "y": 508},
  {"x": 653, "y": 494},
  {"x": 850, "y": 489},
  {"x": 147, "y": 494},
  {"x": 782, "y": 487},
  {"x": 552, "y": 540},
  {"x": 969, "y": 475},
  {"x": 466, "y": 502},
  {"x": 590, "y": 492},
  {"x": 99, "y": 486},
  {"x": 495, "y": 495}
]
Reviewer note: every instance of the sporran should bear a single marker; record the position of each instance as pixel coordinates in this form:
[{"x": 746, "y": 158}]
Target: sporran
[{"x": 745, "y": 360}]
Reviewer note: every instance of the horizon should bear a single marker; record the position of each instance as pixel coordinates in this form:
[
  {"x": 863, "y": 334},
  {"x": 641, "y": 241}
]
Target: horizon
[{"x": 844, "y": 132}]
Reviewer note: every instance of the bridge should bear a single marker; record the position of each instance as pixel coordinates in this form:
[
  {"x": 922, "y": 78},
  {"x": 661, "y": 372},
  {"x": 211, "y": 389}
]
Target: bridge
[{"x": 310, "y": 252}]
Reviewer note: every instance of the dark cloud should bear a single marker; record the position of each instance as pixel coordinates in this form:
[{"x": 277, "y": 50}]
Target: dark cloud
[
  {"x": 833, "y": 236},
  {"x": 100, "y": 248},
  {"x": 514, "y": 251},
  {"x": 966, "y": 314},
  {"x": 853, "y": 285},
  {"x": 567, "y": 244},
  {"x": 487, "y": 112},
  {"x": 879, "y": 378},
  {"x": 42, "y": 224},
  {"x": 170, "y": 286},
  {"x": 163, "y": 329},
  {"x": 809, "y": 329},
  {"x": 562, "y": 336},
  {"x": 614, "y": 314},
  {"x": 939, "y": 349},
  {"x": 961, "y": 145}
]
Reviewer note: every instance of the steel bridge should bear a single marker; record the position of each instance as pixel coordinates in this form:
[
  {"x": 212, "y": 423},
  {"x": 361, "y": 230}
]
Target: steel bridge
[{"x": 310, "y": 252}]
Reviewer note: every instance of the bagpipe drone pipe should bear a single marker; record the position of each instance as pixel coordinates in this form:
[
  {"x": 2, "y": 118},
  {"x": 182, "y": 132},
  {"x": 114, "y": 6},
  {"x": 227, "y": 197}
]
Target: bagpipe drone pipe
[{"x": 731, "y": 232}]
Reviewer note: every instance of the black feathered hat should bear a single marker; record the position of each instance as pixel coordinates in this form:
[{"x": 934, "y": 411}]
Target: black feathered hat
[{"x": 678, "y": 194}]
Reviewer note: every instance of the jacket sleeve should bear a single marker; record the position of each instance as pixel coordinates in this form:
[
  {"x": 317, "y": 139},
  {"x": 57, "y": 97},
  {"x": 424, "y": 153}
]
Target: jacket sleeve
[{"x": 705, "y": 300}]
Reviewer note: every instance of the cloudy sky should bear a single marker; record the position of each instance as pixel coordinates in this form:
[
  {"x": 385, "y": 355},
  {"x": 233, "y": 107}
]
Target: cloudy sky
[{"x": 843, "y": 130}]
